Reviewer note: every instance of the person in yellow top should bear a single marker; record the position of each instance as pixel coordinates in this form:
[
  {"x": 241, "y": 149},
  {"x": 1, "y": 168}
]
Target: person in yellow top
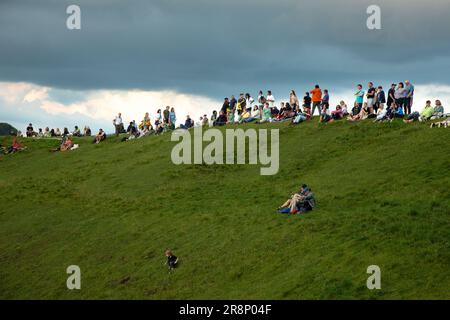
[
  {"x": 145, "y": 123},
  {"x": 424, "y": 115}
]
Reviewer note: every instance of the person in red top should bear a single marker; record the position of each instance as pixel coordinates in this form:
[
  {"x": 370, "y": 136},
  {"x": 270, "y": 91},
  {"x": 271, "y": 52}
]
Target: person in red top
[
  {"x": 316, "y": 97},
  {"x": 15, "y": 146}
]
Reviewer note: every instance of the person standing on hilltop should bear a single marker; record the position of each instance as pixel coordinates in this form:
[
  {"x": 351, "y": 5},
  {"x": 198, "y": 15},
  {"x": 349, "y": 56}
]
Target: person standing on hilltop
[
  {"x": 166, "y": 115},
  {"x": 409, "y": 94},
  {"x": 359, "y": 97},
  {"x": 370, "y": 98},
  {"x": 118, "y": 124},
  {"x": 270, "y": 99},
  {"x": 233, "y": 103},
  {"x": 225, "y": 105},
  {"x": 316, "y": 99},
  {"x": 391, "y": 96},
  {"x": 293, "y": 101},
  {"x": 241, "y": 104},
  {"x": 380, "y": 99},
  {"x": 307, "y": 103},
  {"x": 325, "y": 105},
  {"x": 400, "y": 95}
]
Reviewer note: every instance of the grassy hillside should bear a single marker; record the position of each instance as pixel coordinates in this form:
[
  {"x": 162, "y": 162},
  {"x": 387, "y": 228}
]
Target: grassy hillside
[{"x": 383, "y": 193}]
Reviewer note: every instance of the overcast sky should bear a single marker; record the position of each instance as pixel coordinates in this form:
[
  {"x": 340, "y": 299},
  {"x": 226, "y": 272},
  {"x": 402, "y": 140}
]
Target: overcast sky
[{"x": 196, "y": 52}]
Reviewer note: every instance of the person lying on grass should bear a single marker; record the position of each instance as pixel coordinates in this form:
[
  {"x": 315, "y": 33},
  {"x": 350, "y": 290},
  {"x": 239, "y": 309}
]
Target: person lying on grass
[
  {"x": 172, "y": 260},
  {"x": 300, "y": 202}
]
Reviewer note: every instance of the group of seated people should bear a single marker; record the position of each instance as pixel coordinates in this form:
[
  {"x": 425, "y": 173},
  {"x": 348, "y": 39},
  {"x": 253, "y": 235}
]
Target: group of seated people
[
  {"x": 164, "y": 122},
  {"x": 381, "y": 113},
  {"x": 56, "y": 133},
  {"x": 299, "y": 202},
  {"x": 378, "y": 112}
]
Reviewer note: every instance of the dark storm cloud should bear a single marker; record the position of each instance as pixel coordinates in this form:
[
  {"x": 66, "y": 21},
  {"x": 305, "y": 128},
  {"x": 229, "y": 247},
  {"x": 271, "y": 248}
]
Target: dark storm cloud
[{"x": 222, "y": 46}]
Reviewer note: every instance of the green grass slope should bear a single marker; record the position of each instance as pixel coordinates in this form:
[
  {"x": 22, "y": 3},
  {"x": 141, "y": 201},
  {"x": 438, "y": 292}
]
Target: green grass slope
[{"x": 383, "y": 193}]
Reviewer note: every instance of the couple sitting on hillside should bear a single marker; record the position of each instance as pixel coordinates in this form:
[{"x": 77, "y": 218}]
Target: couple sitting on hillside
[{"x": 300, "y": 202}]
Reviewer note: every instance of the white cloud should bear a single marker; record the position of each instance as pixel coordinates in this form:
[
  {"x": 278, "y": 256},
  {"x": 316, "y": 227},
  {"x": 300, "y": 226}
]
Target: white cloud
[
  {"x": 102, "y": 105},
  {"x": 36, "y": 95}
]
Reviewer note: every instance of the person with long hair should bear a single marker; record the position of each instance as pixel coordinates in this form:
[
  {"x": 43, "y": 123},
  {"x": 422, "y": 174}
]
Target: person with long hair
[{"x": 293, "y": 101}]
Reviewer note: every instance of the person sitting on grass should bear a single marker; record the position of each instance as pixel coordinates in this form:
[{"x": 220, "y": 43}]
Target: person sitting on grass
[
  {"x": 424, "y": 115},
  {"x": 337, "y": 114},
  {"x": 30, "y": 131},
  {"x": 398, "y": 113},
  {"x": 287, "y": 113},
  {"x": 87, "y": 131},
  {"x": 101, "y": 136},
  {"x": 172, "y": 260},
  {"x": 246, "y": 117},
  {"x": 381, "y": 113},
  {"x": 76, "y": 132},
  {"x": 438, "y": 111},
  {"x": 324, "y": 116},
  {"x": 302, "y": 116},
  {"x": 132, "y": 132},
  {"x": 189, "y": 123},
  {"x": 300, "y": 202},
  {"x": 343, "y": 106},
  {"x": 355, "y": 111},
  {"x": 266, "y": 113},
  {"x": 40, "y": 133},
  {"x": 15, "y": 146},
  {"x": 47, "y": 133},
  {"x": 360, "y": 116},
  {"x": 66, "y": 144},
  {"x": 221, "y": 120}
]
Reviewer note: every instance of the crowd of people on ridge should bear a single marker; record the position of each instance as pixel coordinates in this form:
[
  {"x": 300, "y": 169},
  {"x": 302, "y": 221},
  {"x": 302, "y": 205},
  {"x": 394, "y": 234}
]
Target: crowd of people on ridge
[{"x": 372, "y": 103}]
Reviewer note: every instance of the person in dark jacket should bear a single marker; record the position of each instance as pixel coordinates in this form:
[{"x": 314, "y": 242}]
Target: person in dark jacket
[
  {"x": 380, "y": 100},
  {"x": 300, "y": 202},
  {"x": 172, "y": 260}
]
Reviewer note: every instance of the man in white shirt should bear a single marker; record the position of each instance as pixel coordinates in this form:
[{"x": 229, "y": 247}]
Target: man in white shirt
[
  {"x": 118, "y": 124},
  {"x": 270, "y": 99}
]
